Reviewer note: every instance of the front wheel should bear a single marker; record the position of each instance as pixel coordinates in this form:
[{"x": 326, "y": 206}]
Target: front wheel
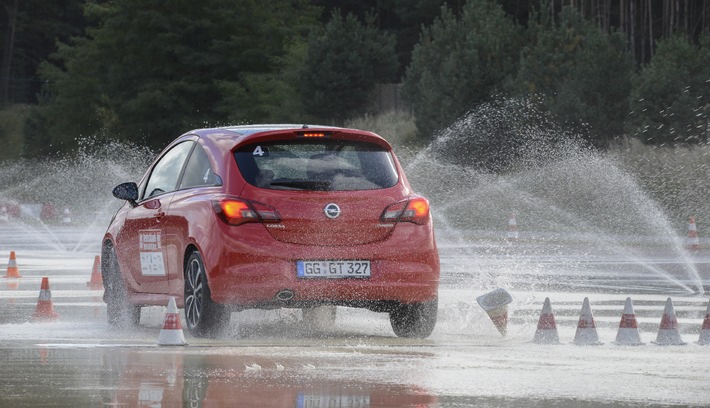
[
  {"x": 119, "y": 311},
  {"x": 415, "y": 320},
  {"x": 204, "y": 317}
]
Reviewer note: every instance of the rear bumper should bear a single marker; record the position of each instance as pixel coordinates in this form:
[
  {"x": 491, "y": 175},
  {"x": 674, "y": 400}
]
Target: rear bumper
[{"x": 248, "y": 269}]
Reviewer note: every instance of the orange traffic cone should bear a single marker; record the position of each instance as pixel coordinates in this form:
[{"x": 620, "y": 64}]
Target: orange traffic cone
[
  {"x": 171, "y": 334},
  {"x": 96, "y": 281},
  {"x": 512, "y": 234},
  {"x": 705, "y": 331},
  {"x": 693, "y": 240},
  {"x": 45, "y": 309},
  {"x": 628, "y": 334},
  {"x": 546, "y": 332},
  {"x": 668, "y": 333},
  {"x": 586, "y": 334},
  {"x": 12, "y": 271}
]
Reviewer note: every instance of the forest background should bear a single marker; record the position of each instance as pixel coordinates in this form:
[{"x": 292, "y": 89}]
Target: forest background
[{"x": 145, "y": 71}]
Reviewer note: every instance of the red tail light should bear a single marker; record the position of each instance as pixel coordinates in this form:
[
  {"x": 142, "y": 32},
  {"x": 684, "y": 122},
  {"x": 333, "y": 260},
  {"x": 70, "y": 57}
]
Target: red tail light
[
  {"x": 414, "y": 210},
  {"x": 235, "y": 211}
]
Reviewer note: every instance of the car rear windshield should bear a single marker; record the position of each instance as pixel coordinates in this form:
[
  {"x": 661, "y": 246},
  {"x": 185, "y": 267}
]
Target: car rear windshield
[{"x": 320, "y": 165}]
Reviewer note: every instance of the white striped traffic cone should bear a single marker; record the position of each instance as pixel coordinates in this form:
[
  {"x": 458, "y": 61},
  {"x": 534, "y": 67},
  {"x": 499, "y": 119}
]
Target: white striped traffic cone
[
  {"x": 171, "y": 334},
  {"x": 668, "y": 333},
  {"x": 705, "y": 331},
  {"x": 67, "y": 216},
  {"x": 693, "y": 240},
  {"x": 12, "y": 270},
  {"x": 546, "y": 332},
  {"x": 45, "y": 309},
  {"x": 628, "y": 334},
  {"x": 512, "y": 233},
  {"x": 496, "y": 305},
  {"x": 586, "y": 334}
]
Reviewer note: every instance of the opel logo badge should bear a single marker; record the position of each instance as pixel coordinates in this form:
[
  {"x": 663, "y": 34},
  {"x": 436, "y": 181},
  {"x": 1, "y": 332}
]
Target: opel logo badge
[{"x": 332, "y": 210}]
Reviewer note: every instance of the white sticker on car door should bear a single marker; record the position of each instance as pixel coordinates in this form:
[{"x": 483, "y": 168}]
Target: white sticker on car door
[{"x": 151, "y": 253}]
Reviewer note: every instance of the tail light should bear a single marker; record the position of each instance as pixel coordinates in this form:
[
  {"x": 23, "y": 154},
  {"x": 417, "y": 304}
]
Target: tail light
[
  {"x": 235, "y": 211},
  {"x": 414, "y": 210}
]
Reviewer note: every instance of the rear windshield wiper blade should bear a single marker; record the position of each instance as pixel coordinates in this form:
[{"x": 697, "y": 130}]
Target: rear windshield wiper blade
[{"x": 302, "y": 184}]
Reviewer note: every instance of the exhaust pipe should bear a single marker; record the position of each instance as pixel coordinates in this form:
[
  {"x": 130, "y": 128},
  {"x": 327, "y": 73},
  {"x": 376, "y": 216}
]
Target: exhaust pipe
[{"x": 285, "y": 295}]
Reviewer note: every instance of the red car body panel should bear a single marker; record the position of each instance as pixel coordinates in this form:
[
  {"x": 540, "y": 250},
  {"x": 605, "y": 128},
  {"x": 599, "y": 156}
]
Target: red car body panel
[{"x": 248, "y": 265}]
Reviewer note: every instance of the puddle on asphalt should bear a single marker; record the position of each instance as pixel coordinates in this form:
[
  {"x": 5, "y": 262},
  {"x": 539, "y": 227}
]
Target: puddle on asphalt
[{"x": 120, "y": 375}]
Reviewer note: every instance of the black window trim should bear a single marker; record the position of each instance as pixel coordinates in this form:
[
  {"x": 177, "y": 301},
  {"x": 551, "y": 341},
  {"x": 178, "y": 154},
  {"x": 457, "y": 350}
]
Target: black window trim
[{"x": 179, "y": 179}]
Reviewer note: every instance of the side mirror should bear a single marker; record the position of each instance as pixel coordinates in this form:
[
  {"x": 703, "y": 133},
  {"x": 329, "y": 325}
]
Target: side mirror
[{"x": 127, "y": 191}]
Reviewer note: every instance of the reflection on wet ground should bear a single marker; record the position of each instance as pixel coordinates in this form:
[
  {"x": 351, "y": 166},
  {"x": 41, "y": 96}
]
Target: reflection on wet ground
[
  {"x": 122, "y": 376},
  {"x": 149, "y": 377}
]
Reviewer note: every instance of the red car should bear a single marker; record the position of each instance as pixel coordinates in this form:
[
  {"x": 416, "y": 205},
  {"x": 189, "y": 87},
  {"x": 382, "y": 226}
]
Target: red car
[{"x": 273, "y": 216}]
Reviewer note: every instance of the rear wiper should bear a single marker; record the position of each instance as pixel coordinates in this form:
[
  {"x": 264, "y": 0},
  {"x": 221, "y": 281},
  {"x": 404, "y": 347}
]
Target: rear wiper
[{"x": 302, "y": 184}]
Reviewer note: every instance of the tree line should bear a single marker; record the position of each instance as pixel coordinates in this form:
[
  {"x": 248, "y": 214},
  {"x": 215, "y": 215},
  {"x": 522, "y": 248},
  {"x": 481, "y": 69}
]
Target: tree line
[{"x": 145, "y": 71}]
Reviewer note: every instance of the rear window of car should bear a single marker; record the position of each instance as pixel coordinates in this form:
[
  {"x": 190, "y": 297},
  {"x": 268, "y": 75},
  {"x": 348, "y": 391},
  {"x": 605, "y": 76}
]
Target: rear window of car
[{"x": 319, "y": 165}]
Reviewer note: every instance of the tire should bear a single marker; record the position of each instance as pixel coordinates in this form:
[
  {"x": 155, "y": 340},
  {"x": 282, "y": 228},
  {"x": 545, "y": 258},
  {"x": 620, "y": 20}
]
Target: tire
[
  {"x": 319, "y": 318},
  {"x": 119, "y": 312},
  {"x": 415, "y": 320},
  {"x": 204, "y": 317}
]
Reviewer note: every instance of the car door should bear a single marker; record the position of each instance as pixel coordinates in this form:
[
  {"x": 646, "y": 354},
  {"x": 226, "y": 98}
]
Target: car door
[
  {"x": 190, "y": 214},
  {"x": 142, "y": 240}
]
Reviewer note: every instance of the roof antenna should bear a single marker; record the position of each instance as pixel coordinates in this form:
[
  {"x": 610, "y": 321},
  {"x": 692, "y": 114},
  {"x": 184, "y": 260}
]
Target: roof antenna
[{"x": 305, "y": 127}]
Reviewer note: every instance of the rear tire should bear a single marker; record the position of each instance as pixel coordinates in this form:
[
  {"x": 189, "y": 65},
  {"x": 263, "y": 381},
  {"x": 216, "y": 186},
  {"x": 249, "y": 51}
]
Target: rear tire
[
  {"x": 119, "y": 312},
  {"x": 415, "y": 320},
  {"x": 204, "y": 317}
]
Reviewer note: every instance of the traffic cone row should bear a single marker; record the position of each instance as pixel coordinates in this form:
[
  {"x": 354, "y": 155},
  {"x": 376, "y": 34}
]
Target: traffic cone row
[
  {"x": 628, "y": 334},
  {"x": 170, "y": 335},
  {"x": 692, "y": 241},
  {"x": 95, "y": 283}
]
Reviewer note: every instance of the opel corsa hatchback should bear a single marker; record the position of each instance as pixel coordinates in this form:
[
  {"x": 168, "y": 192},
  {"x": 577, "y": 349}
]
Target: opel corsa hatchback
[{"x": 273, "y": 216}]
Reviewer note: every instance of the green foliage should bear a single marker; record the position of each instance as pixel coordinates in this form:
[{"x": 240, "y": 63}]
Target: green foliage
[
  {"x": 149, "y": 70},
  {"x": 580, "y": 74},
  {"x": 459, "y": 63},
  {"x": 12, "y": 130},
  {"x": 342, "y": 66},
  {"x": 671, "y": 100},
  {"x": 28, "y": 39},
  {"x": 397, "y": 127}
]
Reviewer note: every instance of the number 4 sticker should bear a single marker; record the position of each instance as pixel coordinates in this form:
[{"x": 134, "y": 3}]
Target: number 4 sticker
[{"x": 258, "y": 151}]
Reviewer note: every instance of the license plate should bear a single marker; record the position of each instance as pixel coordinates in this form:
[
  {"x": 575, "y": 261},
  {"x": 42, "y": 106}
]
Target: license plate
[
  {"x": 320, "y": 401},
  {"x": 333, "y": 269}
]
